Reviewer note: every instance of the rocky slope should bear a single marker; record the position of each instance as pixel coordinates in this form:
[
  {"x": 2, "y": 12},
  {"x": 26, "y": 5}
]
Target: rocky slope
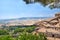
[{"x": 50, "y": 27}]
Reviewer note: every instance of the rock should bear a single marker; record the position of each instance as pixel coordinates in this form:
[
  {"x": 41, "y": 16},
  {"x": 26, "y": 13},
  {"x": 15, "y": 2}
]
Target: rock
[
  {"x": 50, "y": 26},
  {"x": 57, "y": 15}
]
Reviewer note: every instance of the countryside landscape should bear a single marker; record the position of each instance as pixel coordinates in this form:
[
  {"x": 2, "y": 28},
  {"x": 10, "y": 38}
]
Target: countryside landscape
[{"x": 29, "y": 19}]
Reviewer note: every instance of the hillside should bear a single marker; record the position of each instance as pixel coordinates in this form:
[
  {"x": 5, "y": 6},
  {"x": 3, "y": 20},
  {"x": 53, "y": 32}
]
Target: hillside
[{"x": 50, "y": 26}]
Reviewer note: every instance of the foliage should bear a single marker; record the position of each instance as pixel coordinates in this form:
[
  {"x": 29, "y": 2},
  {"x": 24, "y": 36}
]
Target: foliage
[
  {"x": 30, "y": 36},
  {"x": 6, "y": 37},
  {"x": 3, "y": 32},
  {"x": 18, "y": 30},
  {"x": 23, "y": 34},
  {"x": 55, "y": 4},
  {"x": 27, "y": 29}
]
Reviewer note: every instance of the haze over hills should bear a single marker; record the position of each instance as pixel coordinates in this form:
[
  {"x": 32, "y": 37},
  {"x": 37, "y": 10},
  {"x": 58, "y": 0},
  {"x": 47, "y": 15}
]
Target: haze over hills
[{"x": 21, "y": 19}]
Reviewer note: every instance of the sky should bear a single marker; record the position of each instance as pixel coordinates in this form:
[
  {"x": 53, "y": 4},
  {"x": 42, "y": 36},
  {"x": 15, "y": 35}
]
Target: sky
[{"x": 10, "y": 9}]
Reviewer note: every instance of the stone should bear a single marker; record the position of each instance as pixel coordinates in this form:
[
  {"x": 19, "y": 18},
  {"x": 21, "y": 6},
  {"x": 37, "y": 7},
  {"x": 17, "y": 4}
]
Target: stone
[
  {"x": 57, "y": 15},
  {"x": 51, "y": 26}
]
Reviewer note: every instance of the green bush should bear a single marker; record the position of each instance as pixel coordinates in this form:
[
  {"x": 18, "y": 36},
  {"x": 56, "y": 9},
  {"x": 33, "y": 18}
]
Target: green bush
[
  {"x": 3, "y": 32},
  {"x": 18, "y": 30},
  {"x": 24, "y": 36},
  {"x": 27, "y": 29},
  {"x": 6, "y": 37},
  {"x": 30, "y": 36}
]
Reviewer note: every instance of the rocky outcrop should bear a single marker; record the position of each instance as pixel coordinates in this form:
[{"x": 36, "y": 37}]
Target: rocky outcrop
[
  {"x": 57, "y": 15},
  {"x": 51, "y": 27}
]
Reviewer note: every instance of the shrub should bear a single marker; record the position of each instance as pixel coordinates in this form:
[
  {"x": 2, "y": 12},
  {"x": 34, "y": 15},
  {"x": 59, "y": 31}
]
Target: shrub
[
  {"x": 27, "y": 29},
  {"x": 24, "y": 36},
  {"x": 30, "y": 36},
  {"x": 18, "y": 30},
  {"x": 6, "y": 37},
  {"x": 3, "y": 32}
]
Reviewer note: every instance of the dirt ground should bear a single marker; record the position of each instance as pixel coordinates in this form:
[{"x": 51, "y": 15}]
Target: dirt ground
[{"x": 51, "y": 38}]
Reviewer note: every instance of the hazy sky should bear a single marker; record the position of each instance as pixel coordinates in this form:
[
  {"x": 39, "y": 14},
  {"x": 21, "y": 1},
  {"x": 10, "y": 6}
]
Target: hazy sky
[{"x": 17, "y": 9}]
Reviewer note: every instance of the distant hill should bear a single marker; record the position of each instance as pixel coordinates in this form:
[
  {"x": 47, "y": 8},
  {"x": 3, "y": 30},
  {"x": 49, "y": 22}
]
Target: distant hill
[{"x": 23, "y": 18}]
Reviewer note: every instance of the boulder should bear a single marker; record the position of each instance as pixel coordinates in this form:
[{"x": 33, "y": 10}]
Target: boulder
[{"x": 57, "y": 15}]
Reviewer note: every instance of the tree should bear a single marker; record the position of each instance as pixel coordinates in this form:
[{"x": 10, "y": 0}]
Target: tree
[{"x": 49, "y": 3}]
